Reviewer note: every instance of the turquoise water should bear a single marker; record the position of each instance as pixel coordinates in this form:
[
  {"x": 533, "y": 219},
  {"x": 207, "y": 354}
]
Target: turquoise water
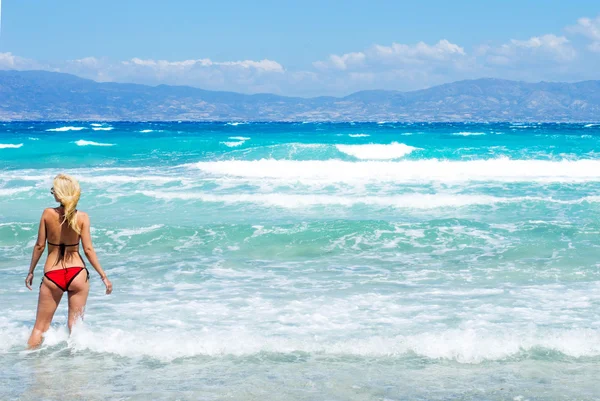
[{"x": 288, "y": 261}]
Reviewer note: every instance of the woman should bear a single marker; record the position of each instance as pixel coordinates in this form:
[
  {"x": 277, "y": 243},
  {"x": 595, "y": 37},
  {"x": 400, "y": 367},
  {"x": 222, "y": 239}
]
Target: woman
[{"x": 63, "y": 227}]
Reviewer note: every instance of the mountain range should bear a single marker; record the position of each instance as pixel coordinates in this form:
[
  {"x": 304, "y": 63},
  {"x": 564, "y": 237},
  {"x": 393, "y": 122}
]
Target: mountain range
[{"x": 44, "y": 95}]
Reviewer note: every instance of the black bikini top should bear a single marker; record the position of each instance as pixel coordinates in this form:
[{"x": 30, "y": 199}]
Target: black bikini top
[{"x": 62, "y": 247}]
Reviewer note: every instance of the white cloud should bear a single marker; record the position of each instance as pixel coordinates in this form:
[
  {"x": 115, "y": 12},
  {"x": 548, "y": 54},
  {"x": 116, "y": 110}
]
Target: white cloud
[
  {"x": 342, "y": 62},
  {"x": 419, "y": 53},
  {"x": 8, "y": 61},
  {"x": 401, "y": 55},
  {"x": 397, "y": 66},
  {"x": 558, "y": 46},
  {"x": 533, "y": 50},
  {"x": 164, "y": 65},
  {"x": 244, "y": 76},
  {"x": 590, "y": 28},
  {"x": 264, "y": 65}
]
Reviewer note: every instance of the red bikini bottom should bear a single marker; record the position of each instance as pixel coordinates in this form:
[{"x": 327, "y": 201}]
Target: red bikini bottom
[{"x": 64, "y": 277}]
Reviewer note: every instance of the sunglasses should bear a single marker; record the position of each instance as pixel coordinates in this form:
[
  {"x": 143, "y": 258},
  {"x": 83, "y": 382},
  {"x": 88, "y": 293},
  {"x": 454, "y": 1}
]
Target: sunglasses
[{"x": 52, "y": 190}]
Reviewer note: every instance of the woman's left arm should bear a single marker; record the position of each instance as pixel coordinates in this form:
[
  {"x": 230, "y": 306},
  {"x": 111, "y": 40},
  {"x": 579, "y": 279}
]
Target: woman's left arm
[{"x": 38, "y": 249}]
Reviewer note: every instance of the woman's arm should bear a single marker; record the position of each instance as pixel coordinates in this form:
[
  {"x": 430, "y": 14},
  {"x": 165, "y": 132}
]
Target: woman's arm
[
  {"x": 90, "y": 253},
  {"x": 38, "y": 249}
]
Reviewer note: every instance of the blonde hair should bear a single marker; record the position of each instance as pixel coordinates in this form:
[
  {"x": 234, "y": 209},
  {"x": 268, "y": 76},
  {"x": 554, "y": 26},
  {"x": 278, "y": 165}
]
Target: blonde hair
[{"x": 67, "y": 191}]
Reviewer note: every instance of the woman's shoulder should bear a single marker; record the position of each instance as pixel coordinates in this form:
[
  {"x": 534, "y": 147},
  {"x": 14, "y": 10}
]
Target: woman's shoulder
[
  {"x": 52, "y": 211},
  {"x": 82, "y": 217},
  {"x": 49, "y": 211}
]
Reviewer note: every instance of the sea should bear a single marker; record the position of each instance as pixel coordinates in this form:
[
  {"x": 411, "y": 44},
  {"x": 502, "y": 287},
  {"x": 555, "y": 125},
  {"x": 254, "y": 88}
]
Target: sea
[{"x": 311, "y": 261}]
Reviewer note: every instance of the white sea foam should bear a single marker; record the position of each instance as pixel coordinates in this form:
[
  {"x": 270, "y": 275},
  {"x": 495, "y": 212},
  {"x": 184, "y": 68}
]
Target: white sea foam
[
  {"x": 394, "y": 150},
  {"x": 12, "y": 335},
  {"x": 298, "y": 145},
  {"x": 12, "y": 191},
  {"x": 103, "y": 128},
  {"x": 239, "y": 140},
  {"x": 129, "y": 232},
  {"x": 298, "y": 201},
  {"x": 236, "y": 123},
  {"x": 83, "y": 142},
  {"x": 62, "y": 129},
  {"x": 96, "y": 125},
  {"x": 412, "y": 201},
  {"x": 591, "y": 125},
  {"x": 144, "y": 131},
  {"x": 31, "y": 138},
  {"x": 358, "y": 135},
  {"x": 469, "y": 345},
  {"x": 502, "y": 169},
  {"x": 90, "y": 175},
  {"x": 10, "y": 146},
  {"x": 124, "y": 179},
  {"x": 468, "y": 133},
  {"x": 233, "y": 144}
]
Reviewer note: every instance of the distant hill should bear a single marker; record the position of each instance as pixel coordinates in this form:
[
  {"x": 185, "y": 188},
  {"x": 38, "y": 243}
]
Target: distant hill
[{"x": 43, "y": 95}]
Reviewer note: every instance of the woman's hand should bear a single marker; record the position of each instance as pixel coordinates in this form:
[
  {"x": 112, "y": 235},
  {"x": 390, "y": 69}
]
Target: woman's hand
[
  {"x": 29, "y": 281},
  {"x": 108, "y": 285}
]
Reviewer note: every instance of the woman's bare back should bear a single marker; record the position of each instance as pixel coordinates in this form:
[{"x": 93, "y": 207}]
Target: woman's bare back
[{"x": 58, "y": 232}]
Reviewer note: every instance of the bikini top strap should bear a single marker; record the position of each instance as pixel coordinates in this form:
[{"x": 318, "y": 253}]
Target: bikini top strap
[
  {"x": 62, "y": 248},
  {"x": 64, "y": 245}
]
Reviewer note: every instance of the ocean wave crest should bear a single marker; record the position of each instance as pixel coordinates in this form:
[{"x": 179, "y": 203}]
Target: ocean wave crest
[
  {"x": 465, "y": 133},
  {"x": 10, "y": 145},
  {"x": 13, "y": 191},
  {"x": 233, "y": 144},
  {"x": 466, "y": 346},
  {"x": 394, "y": 150},
  {"x": 411, "y": 201},
  {"x": 429, "y": 170},
  {"x": 63, "y": 129},
  {"x": 83, "y": 142}
]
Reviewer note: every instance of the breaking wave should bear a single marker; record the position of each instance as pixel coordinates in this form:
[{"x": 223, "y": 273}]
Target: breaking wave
[
  {"x": 63, "y": 129},
  {"x": 83, "y": 142},
  {"x": 10, "y": 146},
  {"x": 505, "y": 170},
  {"x": 394, "y": 150}
]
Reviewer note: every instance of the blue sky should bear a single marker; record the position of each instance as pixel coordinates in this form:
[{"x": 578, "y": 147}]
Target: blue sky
[{"x": 305, "y": 47}]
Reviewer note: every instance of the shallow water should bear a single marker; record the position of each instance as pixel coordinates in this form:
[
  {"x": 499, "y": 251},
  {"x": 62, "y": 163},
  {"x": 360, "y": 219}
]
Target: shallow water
[{"x": 314, "y": 261}]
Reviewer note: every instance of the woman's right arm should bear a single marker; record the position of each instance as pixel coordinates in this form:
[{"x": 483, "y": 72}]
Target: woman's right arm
[
  {"x": 38, "y": 249},
  {"x": 90, "y": 253}
]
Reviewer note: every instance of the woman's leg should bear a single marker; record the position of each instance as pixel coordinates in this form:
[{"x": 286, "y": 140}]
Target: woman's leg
[
  {"x": 78, "y": 294},
  {"x": 48, "y": 301}
]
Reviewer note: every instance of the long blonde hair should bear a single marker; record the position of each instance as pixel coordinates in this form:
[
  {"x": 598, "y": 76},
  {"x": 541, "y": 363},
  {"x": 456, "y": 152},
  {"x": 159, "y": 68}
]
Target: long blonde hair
[{"x": 67, "y": 191}]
